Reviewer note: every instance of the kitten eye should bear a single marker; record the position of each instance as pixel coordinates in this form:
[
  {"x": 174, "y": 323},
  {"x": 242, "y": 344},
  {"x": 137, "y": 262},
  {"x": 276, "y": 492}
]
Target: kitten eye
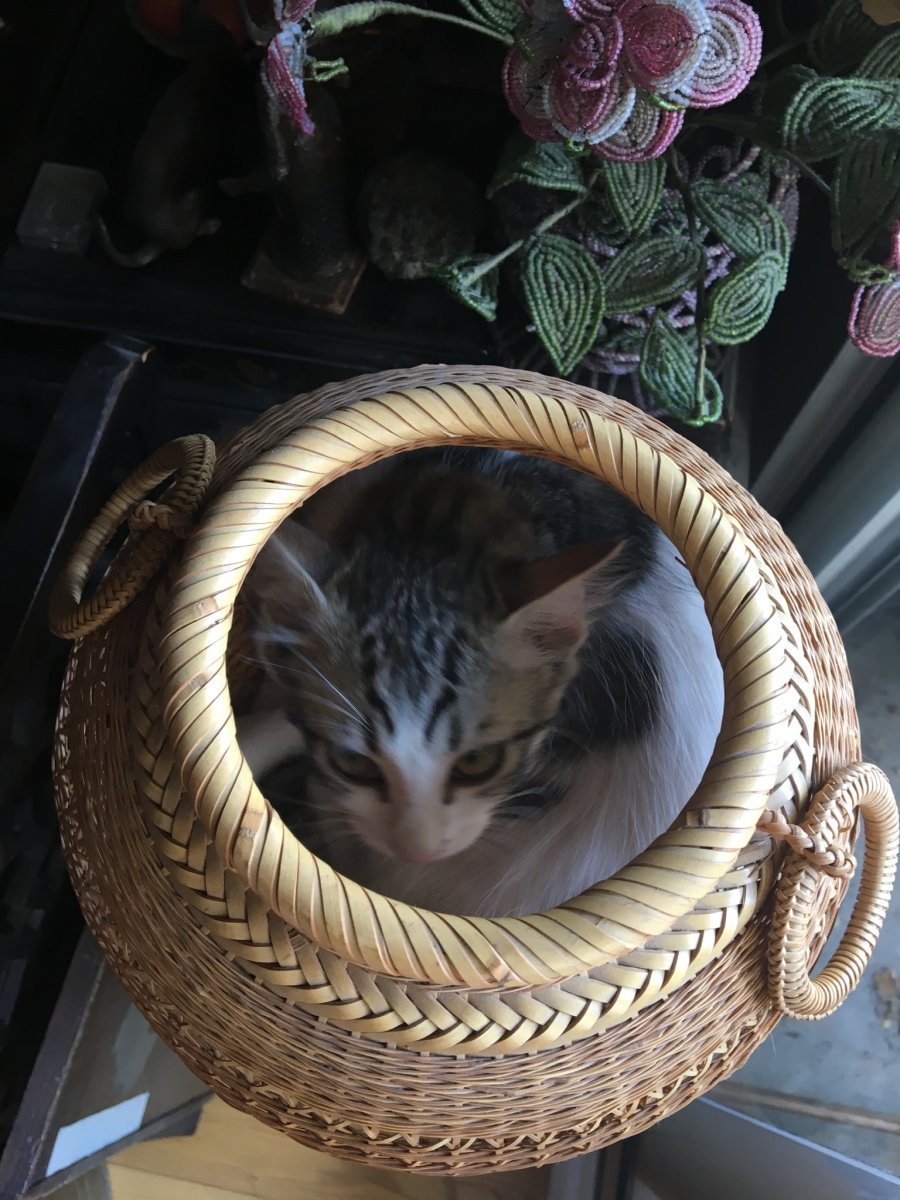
[
  {"x": 354, "y": 766},
  {"x": 478, "y": 765}
]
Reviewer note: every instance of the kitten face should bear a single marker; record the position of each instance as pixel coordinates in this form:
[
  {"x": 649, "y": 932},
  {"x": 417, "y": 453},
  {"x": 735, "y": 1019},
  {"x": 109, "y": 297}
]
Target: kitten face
[
  {"x": 417, "y": 750},
  {"x": 424, "y": 663}
]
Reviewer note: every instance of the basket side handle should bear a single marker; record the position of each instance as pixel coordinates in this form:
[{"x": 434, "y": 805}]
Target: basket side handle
[
  {"x": 153, "y": 527},
  {"x": 821, "y": 845}
]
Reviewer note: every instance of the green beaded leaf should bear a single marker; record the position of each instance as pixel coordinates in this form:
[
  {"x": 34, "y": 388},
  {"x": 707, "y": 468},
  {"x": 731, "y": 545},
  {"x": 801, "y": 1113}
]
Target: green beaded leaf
[
  {"x": 826, "y": 116},
  {"x": 672, "y": 371},
  {"x": 742, "y": 217},
  {"x": 541, "y": 164},
  {"x": 671, "y": 216},
  {"x": 882, "y": 62},
  {"x": 651, "y": 271},
  {"x": 502, "y": 15},
  {"x": 758, "y": 183},
  {"x": 741, "y": 304},
  {"x": 865, "y": 195},
  {"x": 471, "y": 284},
  {"x": 782, "y": 88},
  {"x": 859, "y": 271},
  {"x": 597, "y": 221},
  {"x": 627, "y": 341},
  {"x": 842, "y": 37},
  {"x": 777, "y": 97},
  {"x": 564, "y": 293},
  {"x": 634, "y": 191}
]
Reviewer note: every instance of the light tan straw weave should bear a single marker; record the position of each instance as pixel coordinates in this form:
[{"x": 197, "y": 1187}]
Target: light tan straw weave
[{"x": 412, "y": 1039}]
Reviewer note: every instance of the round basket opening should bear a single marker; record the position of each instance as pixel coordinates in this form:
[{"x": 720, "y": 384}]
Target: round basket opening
[
  {"x": 609, "y": 919},
  {"x": 473, "y": 680}
]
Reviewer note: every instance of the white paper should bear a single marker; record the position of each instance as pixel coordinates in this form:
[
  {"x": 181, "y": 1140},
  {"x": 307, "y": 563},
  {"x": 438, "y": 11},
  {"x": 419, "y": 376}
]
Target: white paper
[{"x": 101, "y": 1129}]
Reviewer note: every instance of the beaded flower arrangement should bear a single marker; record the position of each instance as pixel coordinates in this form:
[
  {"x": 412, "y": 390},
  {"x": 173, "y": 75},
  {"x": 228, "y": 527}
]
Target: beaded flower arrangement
[{"x": 660, "y": 148}]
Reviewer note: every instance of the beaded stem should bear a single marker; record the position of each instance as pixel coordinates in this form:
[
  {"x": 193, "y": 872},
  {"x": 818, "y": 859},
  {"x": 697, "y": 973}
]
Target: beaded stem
[{"x": 350, "y": 16}]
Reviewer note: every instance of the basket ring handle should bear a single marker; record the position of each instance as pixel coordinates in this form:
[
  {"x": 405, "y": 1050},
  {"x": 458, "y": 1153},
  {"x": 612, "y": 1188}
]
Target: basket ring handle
[
  {"x": 153, "y": 526},
  {"x": 821, "y": 845}
]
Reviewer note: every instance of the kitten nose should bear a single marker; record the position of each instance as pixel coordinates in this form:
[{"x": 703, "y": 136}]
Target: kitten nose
[
  {"x": 419, "y": 857},
  {"x": 409, "y": 854}
]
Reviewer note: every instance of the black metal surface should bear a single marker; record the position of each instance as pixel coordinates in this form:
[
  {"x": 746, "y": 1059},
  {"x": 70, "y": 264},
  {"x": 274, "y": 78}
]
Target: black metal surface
[
  {"x": 85, "y": 447},
  {"x": 30, "y": 1144},
  {"x": 26, "y": 1143},
  {"x": 55, "y": 499},
  {"x": 179, "y": 1123},
  {"x": 34, "y": 373}
]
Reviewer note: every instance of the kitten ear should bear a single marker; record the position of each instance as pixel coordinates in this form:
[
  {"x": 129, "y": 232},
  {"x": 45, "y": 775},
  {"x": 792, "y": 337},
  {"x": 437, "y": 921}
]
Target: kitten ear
[
  {"x": 550, "y": 602},
  {"x": 285, "y": 581}
]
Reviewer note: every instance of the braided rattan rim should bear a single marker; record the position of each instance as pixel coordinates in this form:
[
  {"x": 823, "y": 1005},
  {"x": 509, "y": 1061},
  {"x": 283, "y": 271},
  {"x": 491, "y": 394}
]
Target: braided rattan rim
[
  {"x": 393, "y": 939},
  {"x": 191, "y": 459}
]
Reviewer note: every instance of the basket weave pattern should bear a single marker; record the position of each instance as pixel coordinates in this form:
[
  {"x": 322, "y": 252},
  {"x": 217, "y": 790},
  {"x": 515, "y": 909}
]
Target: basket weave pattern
[{"x": 422, "y": 1041}]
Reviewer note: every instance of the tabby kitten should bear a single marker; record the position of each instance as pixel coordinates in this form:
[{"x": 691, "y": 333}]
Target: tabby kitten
[{"x": 494, "y": 675}]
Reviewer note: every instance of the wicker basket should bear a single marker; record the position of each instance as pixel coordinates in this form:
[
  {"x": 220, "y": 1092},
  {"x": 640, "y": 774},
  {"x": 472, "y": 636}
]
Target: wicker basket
[{"x": 411, "y": 1039}]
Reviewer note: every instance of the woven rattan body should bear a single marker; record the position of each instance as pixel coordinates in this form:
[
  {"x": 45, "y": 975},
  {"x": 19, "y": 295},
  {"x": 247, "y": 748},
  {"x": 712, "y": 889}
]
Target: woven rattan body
[{"x": 444, "y": 1044}]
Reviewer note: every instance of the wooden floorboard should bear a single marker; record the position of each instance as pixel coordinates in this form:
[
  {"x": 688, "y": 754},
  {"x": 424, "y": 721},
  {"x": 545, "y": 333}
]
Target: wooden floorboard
[{"x": 233, "y": 1157}]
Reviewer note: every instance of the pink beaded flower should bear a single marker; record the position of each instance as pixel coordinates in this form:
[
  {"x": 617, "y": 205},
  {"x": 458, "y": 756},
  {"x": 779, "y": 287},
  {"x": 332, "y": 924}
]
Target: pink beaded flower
[
  {"x": 618, "y": 74},
  {"x": 874, "y": 324},
  {"x": 282, "y": 73}
]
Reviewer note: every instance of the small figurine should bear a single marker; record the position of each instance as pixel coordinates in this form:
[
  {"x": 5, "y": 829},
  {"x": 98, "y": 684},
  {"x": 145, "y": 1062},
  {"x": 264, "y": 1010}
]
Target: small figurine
[
  {"x": 417, "y": 213},
  {"x": 307, "y": 255},
  {"x": 186, "y": 146}
]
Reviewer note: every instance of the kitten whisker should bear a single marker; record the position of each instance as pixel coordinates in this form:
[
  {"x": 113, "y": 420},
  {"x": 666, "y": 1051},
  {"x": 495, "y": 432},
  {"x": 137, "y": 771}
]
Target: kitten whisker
[
  {"x": 328, "y": 683},
  {"x": 351, "y": 712}
]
